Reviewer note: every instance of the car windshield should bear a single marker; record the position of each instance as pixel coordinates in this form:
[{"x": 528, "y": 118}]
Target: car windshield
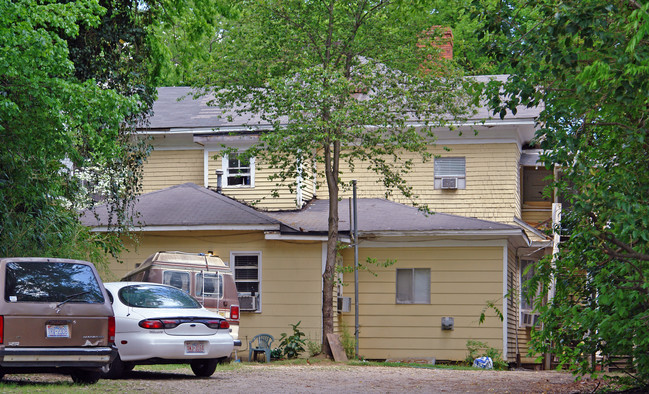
[
  {"x": 154, "y": 296},
  {"x": 43, "y": 281}
]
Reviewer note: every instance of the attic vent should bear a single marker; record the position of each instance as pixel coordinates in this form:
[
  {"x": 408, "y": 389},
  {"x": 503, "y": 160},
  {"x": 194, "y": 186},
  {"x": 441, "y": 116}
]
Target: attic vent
[
  {"x": 248, "y": 303},
  {"x": 449, "y": 183}
]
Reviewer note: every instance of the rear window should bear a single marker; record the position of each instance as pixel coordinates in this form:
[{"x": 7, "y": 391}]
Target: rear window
[
  {"x": 152, "y": 296},
  {"x": 209, "y": 285},
  {"x": 41, "y": 281}
]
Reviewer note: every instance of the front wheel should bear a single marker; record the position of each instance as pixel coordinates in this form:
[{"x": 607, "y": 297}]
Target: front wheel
[
  {"x": 114, "y": 370},
  {"x": 204, "y": 368},
  {"x": 84, "y": 376}
]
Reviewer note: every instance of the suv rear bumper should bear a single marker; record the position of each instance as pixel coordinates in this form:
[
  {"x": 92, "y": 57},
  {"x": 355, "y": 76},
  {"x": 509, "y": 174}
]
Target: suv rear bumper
[{"x": 84, "y": 357}]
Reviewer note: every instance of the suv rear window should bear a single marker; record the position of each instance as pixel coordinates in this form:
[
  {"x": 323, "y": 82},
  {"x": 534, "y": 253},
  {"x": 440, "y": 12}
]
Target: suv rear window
[
  {"x": 41, "y": 281},
  {"x": 153, "y": 296}
]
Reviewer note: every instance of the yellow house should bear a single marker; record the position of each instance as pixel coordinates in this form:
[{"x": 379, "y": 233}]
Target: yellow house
[{"x": 484, "y": 187}]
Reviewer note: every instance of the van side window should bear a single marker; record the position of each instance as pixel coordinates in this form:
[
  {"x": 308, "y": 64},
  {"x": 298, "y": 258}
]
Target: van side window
[
  {"x": 177, "y": 279},
  {"x": 211, "y": 283}
]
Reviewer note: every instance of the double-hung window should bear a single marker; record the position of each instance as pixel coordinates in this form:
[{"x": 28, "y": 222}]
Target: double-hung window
[
  {"x": 247, "y": 277},
  {"x": 238, "y": 171},
  {"x": 413, "y": 286},
  {"x": 450, "y": 173},
  {"x": 529, "y": 317}
]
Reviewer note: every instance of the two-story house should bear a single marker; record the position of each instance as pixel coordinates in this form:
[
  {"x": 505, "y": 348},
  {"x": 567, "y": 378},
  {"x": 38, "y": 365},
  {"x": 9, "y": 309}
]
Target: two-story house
[{"x": 485, "y": 188}]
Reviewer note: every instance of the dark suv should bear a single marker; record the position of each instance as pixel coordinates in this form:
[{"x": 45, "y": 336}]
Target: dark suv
[{"x": 55, "y": 317}]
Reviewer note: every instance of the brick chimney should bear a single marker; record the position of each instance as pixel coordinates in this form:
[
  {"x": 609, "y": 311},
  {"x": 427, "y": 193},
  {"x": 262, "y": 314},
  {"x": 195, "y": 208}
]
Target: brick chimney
[{"x": 440, "y": 37}]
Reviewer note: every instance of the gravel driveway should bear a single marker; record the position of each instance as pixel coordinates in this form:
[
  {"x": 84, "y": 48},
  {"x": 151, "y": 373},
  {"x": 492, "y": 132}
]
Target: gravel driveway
[{"x": 317, "y": 378}]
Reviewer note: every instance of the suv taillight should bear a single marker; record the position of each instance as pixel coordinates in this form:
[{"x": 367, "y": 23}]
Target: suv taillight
[
  {"x": 234, "y": 312},
  {"x": 111, "y": 330}
]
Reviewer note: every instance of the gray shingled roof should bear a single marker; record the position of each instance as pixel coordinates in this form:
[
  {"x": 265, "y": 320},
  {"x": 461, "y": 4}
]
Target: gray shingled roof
[
  {"x": 379, "y": 215},
  {"x": 189, "y": 205},
  {"x": 176, "y": 107},
  {"x": 169, "y": 112}
]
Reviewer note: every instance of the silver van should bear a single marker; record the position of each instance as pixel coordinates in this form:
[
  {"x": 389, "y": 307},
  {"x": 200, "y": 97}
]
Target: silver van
[{"x": 55, "y": 317}]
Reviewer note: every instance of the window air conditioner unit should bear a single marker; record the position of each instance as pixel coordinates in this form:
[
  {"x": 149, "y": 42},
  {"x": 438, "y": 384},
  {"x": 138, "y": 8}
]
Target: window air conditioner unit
[
  {"x": 248, "y": 302},
  {"x": 529, "y": 319},
  {"x": 344, "y": 304},
  {"x": 449, "y": 183}
]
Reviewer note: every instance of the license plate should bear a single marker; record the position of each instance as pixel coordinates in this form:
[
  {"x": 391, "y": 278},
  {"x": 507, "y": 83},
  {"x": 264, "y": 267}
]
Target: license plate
[
  {"x": 58, "y": 331},
  {"x": 194, "y": 347}
]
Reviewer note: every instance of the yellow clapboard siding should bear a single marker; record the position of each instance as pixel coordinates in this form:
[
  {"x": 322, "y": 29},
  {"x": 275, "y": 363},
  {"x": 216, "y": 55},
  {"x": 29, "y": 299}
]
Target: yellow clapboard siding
[
  {"x": 491, "y": 182},
  {"x": 431, "y": 333},
  {"x": 437, "y": 287},
  {"x": 413, "y": 317},
  {"x": 492, "y": 178},
  {"x": 165, "y": 168},
  {"x": 261, "y": 195},
  {"x": 463, "y": 280}
]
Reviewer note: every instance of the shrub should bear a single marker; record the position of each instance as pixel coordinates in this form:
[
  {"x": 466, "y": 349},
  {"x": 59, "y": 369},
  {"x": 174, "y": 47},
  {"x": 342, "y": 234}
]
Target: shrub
[
  {"x": 348, "y": 341},
  {"x": 478, "y": 349},
  {"x": 314, "y": 347},
  {"x": 292, "y": 345}
]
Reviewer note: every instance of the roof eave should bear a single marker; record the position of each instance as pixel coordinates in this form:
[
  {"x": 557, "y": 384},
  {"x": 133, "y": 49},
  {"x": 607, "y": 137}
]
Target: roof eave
[{"x": 207, "y": 227}]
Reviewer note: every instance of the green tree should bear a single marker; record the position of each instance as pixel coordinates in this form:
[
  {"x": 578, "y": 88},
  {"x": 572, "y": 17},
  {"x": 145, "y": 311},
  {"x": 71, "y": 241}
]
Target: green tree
[
  {"x": 61, "y": 121},
  {"x": 587, "y": 63},
  {"x": 338, "y": 81}
]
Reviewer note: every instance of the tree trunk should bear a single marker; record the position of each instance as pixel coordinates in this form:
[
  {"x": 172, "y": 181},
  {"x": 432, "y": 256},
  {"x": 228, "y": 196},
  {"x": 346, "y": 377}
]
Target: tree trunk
[{"x": 331, "y": 171}]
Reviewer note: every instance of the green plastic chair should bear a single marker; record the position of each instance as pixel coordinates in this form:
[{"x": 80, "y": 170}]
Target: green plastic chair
[{"x": 260, "y": 344}]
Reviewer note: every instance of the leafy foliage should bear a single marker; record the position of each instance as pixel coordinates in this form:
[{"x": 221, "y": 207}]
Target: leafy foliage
[
  {"x": 348, "y": 341},
  {"x": 479, "y": 349},
  {"x": 64, "y": 110},
  {"x": 319, "y": 73},
  {"x": 587, "y": 63},
  {"x": 292, "y": 345},
  {"x": 314, "y": 347}
]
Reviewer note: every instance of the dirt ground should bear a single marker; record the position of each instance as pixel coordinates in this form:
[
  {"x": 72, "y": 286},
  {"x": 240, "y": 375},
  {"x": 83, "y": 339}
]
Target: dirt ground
[{"x": 317, "y": 378}]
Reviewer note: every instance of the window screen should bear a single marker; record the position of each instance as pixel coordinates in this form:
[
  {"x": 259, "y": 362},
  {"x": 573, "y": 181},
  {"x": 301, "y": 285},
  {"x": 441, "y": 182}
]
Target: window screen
[
  {"x": 413, "y": 286},
  {"x": 246, "y": 273},
  {"x": 450, "y": 167},
  {"x": 238, "y": 171}
]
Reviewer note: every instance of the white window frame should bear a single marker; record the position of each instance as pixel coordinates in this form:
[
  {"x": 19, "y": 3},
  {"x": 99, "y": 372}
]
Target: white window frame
[
  {"x": 225, "y": 165},
  {"x": 522, "y": 279},
  {"x": 449, "y": 167},
  {"x": 414, "y": 288},
  {"x": 233, "y": 256}
]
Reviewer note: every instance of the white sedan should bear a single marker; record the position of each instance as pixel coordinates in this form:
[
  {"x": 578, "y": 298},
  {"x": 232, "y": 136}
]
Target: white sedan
[{"x": 160, "y": 324}]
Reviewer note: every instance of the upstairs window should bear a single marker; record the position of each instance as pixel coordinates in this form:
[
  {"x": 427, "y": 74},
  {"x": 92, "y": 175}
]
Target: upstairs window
[
  {"x": 238, "y": 171},
  {"x": 450, "y": 173},
  {"x": 413, "y": 286}
]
